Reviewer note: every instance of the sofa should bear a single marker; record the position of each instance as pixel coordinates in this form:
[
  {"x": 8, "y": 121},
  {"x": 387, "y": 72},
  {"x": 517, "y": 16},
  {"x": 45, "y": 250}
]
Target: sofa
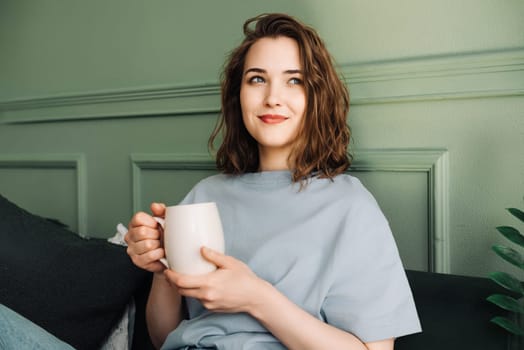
[
  {"x": 454, "y": 313},
  {"x": 85, "y": 291}
]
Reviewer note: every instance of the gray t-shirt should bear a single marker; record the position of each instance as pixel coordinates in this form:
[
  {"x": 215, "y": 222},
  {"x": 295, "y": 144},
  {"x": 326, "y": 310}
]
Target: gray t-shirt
[{"x": 327, "y": 247}]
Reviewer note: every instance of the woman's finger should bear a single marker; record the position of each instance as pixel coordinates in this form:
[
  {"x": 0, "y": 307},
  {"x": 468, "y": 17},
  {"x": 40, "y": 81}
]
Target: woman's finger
[
  {"x": 158, "y": 209},
  {"x": 144, "y": 246},
  {"x": 143, "y": 260},
  {"x": 141, "y": 233},
  {"x": 215, "y": 257},
  {"x": 185, "y": 281},
  {"x": 142, "y": 219}
]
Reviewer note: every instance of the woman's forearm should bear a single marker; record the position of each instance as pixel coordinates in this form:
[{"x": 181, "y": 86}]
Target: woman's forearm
[
  {"x": 164, "y": 309},
  {"x": 296, "y": 328}
]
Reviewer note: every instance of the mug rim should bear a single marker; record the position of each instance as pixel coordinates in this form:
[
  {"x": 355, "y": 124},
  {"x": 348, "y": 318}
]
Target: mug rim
[{"x": 191, "y": 205}]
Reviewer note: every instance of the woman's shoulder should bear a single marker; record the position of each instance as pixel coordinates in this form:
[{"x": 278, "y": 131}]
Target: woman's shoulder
[
  {"x": 348, "y": 182},
  {"x": 204, "y": 188},
  {"x": 217, "y": 183},
  {"x": 212, "y": 181},
  {"x": 352, "y": 190}
]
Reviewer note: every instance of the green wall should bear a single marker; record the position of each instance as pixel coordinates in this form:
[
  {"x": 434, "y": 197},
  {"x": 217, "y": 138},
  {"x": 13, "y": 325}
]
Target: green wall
[{"x": 107, "y": 105}]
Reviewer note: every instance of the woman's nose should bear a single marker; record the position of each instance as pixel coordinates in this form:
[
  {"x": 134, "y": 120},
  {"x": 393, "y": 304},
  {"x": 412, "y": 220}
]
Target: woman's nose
[{"x": 273, "y": 95}]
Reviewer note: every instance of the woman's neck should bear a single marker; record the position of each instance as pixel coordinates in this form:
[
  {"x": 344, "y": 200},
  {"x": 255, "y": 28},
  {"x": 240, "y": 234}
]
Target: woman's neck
[{"x": 272, "y": 160}]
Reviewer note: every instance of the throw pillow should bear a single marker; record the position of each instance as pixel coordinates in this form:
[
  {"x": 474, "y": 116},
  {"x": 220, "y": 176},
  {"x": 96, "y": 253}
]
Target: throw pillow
[{"x": 75, "y": 288}]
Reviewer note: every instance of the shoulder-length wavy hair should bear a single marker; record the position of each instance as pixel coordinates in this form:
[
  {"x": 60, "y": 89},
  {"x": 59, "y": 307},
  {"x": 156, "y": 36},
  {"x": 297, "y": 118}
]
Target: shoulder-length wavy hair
[{"x": 321, "y": 146}]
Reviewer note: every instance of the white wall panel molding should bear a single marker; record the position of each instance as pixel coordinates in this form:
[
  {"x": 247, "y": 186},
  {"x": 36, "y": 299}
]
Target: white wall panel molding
[
  {"x": 461, "y": 76},
  {"x": 471, "y": 75},
  {"x": 185, "y": 99},
  {"x": 433, "y": 162},
  {"x": 160, "y": 161},
  {"x": 75, "y": 162}
]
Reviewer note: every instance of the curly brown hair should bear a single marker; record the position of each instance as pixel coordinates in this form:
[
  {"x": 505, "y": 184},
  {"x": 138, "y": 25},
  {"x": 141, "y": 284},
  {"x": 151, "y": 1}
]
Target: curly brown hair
[{"x": 321, "y": 146}]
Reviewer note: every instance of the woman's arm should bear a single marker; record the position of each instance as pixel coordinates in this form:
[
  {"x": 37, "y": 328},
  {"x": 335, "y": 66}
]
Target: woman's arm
[
  {"x": 164, "y": 310},
  {"x": 297, "y": 329},
  {"x": 235, "y": 288}
]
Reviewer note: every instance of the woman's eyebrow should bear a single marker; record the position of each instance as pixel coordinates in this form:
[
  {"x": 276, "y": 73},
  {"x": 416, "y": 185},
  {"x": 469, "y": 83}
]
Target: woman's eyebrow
[
  {"x": 293, "y": 71},
  {"x": 260, "y": 70},
  {"x": 255, "y": 70}
]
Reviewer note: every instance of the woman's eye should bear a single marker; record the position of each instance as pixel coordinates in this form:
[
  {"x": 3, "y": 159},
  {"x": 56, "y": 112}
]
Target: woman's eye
[
  {"x": 256, "y": 79},
  {"x": 295, "y": 81}
]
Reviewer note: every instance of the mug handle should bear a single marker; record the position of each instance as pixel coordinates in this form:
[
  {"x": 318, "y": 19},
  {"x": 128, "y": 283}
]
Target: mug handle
[{"x": 162, "y": 223}]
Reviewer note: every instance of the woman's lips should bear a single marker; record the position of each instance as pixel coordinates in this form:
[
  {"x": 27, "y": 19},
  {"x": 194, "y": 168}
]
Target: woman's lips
[{"x": 272, "y": 118}]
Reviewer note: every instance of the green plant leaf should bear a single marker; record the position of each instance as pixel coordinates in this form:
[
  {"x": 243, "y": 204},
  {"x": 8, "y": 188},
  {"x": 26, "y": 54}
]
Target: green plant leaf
[
  {"x": 506, "y": 302},
  {"x": 508, "y": 325},
  {"x": 507, "y": 281},
  {"x": 509, "y": 254},
  {"x": 517, "y": 213},
  {"x": 512, "y": 234}
]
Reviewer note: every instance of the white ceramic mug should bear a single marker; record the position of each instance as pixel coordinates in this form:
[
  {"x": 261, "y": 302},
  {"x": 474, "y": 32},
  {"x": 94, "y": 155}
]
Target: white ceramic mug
[{"x": 186, "y": 229}]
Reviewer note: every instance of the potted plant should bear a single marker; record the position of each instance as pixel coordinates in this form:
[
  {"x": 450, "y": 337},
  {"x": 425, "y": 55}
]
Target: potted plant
[{"x": 514, "y": 304}]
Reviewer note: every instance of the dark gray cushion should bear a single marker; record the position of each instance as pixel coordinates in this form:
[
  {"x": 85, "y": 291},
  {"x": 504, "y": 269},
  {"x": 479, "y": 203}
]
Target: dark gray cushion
[
  {"x": 74, "y": 288},
  {"x": 454, "y": 313}
]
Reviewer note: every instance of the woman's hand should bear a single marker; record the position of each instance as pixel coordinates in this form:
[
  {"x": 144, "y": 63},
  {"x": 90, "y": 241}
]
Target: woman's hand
[
  {"x": 143, "y": 239},
  {"x": 233, "y": 287}
]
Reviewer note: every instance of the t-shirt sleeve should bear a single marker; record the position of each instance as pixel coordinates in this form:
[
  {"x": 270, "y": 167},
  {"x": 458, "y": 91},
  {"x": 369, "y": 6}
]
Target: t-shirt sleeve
[
  {"x": 370, "y": 296},
  {"x": 200, "y": 191},
  {"x": 189, "y": 198}
]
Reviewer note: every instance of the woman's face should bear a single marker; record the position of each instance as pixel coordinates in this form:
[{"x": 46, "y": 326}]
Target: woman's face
[{"x": 272, "y": 95}]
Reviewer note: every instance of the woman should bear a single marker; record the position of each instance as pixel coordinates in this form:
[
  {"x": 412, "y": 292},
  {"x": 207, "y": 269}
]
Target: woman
[{"x": 311, "y": 260}]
